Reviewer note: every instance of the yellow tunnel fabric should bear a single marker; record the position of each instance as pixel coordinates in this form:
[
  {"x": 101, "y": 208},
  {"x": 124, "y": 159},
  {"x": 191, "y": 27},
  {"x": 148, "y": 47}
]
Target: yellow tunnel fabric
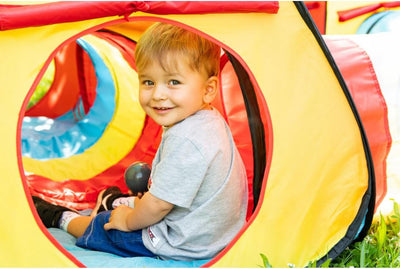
[{"x": 317, "y": 172}]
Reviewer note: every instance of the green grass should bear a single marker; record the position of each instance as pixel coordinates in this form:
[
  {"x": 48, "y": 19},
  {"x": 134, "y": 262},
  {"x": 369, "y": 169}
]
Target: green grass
[
  {"x": 43, "y": 86},
  {"x": 380, "y": 248}
]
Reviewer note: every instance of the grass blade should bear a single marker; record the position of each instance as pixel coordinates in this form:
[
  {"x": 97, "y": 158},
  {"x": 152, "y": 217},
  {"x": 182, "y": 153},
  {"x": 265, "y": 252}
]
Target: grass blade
[{"x": 362, "y": 254}]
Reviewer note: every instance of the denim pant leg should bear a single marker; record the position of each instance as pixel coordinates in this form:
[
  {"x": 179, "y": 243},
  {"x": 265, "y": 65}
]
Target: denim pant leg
[{"x": 125, "y": 244}]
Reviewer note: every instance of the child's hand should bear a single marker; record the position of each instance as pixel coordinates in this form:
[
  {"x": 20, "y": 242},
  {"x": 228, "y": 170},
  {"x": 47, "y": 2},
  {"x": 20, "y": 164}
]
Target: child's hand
[
  {"x": 140, "y": 194},
  {"x": 137, "y": 194},
  {"x": 147, "y": 211},
  {"x": 118, "y": 219}
]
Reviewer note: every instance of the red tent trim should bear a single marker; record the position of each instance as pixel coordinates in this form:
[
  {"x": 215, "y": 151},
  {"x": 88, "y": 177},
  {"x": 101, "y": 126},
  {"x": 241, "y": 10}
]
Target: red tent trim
[{"x": 14, "y": 17}]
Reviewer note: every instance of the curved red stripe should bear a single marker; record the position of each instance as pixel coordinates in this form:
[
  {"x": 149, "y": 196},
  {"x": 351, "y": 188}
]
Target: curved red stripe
[{"x": 364, "y": 87}]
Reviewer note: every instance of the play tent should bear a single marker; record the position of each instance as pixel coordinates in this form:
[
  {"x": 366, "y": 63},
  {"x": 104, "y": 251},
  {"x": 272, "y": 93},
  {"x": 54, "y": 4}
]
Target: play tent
[{"x": 310, "y": 171}]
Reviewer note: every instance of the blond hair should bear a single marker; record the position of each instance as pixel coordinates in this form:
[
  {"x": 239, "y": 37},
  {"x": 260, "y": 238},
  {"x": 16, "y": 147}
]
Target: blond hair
[{"x": 166, "y": 42}]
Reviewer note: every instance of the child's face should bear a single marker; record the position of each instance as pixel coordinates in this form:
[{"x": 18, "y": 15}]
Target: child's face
[{"x": 169, "y": 96}]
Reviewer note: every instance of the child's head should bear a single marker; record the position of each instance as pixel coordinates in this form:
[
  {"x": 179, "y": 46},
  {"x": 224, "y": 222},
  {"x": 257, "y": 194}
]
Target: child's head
[
  {"x": 178, "y": 73},
  {"x": 169, "y": 44}
]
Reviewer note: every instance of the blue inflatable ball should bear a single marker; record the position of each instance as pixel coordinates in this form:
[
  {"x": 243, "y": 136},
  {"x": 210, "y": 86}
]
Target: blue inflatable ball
[{"x": 137, "y": 177}]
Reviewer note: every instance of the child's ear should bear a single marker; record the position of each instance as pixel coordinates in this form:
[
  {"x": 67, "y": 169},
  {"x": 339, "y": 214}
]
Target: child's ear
[{"x": 211, "y": 89}]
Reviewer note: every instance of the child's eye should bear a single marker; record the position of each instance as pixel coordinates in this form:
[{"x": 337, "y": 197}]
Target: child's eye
[
  {"x": 148, "y": 83},
  {"x": 174, "y": 82}
]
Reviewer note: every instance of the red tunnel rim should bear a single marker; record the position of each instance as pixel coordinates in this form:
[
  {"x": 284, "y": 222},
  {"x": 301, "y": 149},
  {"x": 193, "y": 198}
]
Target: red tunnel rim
[{"x": 261, "y": 101}]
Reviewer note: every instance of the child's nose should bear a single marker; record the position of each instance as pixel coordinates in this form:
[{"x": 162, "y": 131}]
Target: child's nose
[{"x": 159, "y": 93}]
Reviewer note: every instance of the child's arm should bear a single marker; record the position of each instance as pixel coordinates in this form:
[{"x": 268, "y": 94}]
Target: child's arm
[{"x": 147, "y": 211}]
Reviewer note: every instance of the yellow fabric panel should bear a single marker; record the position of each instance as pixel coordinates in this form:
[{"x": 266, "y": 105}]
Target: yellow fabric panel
[
  {"x": 23, "y": 53},
  {"x": 119, "y": 137},
  {"x": 318, "y": 171}
]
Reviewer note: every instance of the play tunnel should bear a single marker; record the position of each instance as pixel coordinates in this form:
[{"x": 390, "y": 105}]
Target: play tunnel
[{"x": 310, "y": 172}]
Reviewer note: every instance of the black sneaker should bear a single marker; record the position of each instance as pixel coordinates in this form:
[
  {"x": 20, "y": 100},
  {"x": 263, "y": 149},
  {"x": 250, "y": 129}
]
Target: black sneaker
[
  {"x": 50, "y": 214},
  {"x": 106, "y": 198}
]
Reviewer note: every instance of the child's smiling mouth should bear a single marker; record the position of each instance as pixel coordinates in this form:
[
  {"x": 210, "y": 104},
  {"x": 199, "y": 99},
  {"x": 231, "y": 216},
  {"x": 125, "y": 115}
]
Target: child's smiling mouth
[{"x": 162, "y": 109}]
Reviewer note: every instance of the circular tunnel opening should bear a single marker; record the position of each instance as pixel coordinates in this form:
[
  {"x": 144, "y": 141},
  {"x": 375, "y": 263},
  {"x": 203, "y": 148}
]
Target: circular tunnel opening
[{"x": 68, "y": 150}]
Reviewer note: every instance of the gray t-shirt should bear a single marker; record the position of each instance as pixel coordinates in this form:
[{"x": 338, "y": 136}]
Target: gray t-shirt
[{"x": 198, "y": 169}]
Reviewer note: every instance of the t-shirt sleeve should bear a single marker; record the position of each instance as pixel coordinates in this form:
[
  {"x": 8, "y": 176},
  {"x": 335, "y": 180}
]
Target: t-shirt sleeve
[{"x": 178, "y": 175}]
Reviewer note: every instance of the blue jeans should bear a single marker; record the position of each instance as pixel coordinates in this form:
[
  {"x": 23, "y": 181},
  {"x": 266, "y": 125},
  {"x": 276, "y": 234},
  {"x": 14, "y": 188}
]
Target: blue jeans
[{"x": 125, "y": 244}]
